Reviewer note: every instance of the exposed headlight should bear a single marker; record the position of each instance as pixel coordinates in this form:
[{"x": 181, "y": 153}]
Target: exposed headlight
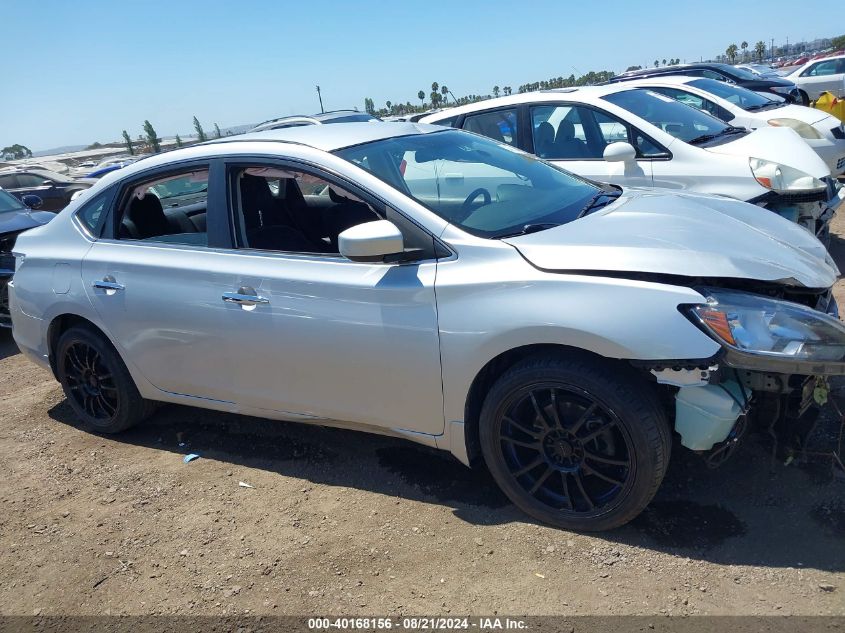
[
  {"x": 762, "y": 326},
  {"x": 805, "y": 130},
  {"x": 783, "y": 178}
]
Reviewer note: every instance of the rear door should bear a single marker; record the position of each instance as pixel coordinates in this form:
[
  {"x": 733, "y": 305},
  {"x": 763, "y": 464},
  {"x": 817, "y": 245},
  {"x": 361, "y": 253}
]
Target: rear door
[{"x": 154, "y": 280}]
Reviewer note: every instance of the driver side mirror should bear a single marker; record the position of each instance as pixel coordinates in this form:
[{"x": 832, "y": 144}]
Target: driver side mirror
[
  {"x": 620, "y": 152},
  {"x": 32, "y": 201},
  {"x": 48, "y": 183},
  {"x": 370, "y": 241}
]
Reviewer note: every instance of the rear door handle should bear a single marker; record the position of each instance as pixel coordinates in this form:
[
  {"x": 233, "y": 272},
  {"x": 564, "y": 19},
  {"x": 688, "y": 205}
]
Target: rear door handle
[{"x": 244, "y": 300}]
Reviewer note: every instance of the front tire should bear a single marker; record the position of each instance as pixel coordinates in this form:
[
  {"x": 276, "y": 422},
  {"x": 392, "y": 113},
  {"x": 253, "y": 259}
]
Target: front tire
[
  {"x": 96, "y": 383},
  {"x": 575, "y": 441}
]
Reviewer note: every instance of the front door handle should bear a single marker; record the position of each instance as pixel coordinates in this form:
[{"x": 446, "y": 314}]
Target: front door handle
[
  {"x": 108, "y": 283},
  {"x": 244, "y": 299}
]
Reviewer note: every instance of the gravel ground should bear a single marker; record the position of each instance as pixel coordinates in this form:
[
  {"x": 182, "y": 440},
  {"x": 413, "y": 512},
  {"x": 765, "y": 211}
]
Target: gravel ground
[{"x": 345, "y": 523}]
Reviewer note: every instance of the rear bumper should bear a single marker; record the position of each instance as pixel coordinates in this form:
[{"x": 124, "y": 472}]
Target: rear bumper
[{"x": 29, "y": 332}]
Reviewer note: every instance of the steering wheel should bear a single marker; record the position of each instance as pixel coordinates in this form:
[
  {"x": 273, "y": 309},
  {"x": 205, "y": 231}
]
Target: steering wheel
[{"x": 467, "y": 206}]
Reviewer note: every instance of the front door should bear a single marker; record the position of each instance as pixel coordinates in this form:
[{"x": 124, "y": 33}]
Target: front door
[
  {"x": 575, "y": 137},
  {"x": 824, "y": 75},
  {"x": 312, "y": 333}
]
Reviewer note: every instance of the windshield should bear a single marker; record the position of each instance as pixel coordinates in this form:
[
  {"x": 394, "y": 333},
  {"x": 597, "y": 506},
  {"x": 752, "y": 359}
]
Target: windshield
[
  {"x": 8, "y": 202},
  {"x": 746, "y": 99},
  {"x": 675, "y": 118},
  {"x": 486, "y": 188},
  {"x": 52, "y": 175},
  {"x": 740, "y": 73}
]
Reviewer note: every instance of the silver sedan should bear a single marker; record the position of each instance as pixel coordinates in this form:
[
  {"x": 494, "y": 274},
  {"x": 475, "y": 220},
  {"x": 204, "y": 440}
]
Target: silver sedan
[{"x": 435, "y": 285}]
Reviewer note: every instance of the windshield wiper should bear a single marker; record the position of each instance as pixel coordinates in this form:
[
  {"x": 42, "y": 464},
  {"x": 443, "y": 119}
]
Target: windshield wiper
[
  {"x": 709, "y": 137},
  {"x": 530, "y": 228},
  {"x": 601, "y": 199}
]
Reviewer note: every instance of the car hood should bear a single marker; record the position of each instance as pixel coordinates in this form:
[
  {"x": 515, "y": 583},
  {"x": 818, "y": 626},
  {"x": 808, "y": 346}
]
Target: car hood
[
  {"x": 16, "y": 221},
  {"x": 691, "y": 235},
  {"x": 778, "y": 144}
]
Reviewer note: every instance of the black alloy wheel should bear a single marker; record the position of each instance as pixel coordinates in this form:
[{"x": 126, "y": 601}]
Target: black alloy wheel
[
  {"x": 575, "y": 442},
  {"x": 96, "y": 383},
  {"x": 90, "y": 382}
]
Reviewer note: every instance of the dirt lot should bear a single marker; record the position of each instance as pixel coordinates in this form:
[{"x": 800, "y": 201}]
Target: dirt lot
[{"x": 344, "y": 523}]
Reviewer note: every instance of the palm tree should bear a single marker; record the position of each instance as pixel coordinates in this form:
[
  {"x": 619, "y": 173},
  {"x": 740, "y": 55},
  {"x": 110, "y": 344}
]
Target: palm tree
[
  {"x": 664, "y": 61},
  {"x": 389, "y": 108},
  {"x": 507, "y": 90},
  {"x": 744, "y": 45},
  {"x": 421, "y": 97},
  {"x": 760, "y": 49},
  {"x": 656, "y": 63},
  {"x": 444, "y": 91},
  {"x": 128, "y": 142},
  {"x": 152, "y": 138},
  {"x": 730, "y": 51},
  {"x": 495, "y": 91}
]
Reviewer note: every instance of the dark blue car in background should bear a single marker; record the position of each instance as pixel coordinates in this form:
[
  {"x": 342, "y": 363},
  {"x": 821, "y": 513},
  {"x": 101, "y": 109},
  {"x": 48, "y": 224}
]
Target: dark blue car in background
[{"x": 16, "y": 216}]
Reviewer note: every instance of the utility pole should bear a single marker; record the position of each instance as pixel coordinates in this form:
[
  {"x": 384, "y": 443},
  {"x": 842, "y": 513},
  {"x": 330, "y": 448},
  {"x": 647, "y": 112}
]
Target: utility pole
[
  {"x": 773, "y": 49},
  {"x": 787, "y": 47},
  {"x": 320, "y": 97}
]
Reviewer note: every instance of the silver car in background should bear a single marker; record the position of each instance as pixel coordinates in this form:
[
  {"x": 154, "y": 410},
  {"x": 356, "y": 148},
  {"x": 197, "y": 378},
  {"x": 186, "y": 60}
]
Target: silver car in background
[{"x": 439, "y": 286}]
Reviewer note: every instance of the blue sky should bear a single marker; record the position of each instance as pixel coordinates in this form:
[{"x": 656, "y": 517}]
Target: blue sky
[{"x": 82, "y": 71}]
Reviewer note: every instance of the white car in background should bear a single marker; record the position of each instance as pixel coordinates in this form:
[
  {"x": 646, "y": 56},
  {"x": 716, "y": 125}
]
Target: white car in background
[
  {"x": 821, "y": 75},
  {"x": 634, "y": 137},
  {"x": 744, "y": 108}
]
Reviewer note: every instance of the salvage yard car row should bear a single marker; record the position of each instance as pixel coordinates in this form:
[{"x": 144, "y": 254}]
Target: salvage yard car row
[{"x": 551, "y": 291}]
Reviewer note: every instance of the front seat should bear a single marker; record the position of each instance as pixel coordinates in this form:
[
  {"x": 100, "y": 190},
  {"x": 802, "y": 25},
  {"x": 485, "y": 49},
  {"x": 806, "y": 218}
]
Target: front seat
[
  {"x": 566, "y": 145},
  {"x": 259, "y": 207},
  {"x": 544, "y": 140},
  {"x": 145, "y": 218},
  {"x": 345, "y": 214}
]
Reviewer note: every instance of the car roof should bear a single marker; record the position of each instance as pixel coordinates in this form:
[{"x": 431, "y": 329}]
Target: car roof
[
  {"x": 327, "y": 138},
  {"x": 582, "y": 93},
  {"x": 675, "y": 80},
  {"x": 320, "y": 117},
  {"x": 333, "y": 137},
  {"x": 668, "y": 70}
]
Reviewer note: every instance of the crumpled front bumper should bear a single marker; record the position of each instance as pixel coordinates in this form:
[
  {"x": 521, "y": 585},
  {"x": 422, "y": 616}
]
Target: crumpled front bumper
[{"x": 813, "y": 211}]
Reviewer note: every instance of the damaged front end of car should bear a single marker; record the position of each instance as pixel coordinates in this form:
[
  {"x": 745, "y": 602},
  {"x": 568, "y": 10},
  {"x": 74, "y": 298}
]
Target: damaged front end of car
[
  {"x": 779, "y": 346},
  {"x": 812, "y": 208}
]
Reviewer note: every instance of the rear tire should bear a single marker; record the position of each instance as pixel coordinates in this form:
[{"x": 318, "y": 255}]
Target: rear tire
[
  {"x": 805, "y": 98},
  {"x": 576, "y": 442},
  {"x": 96, "y": 383}
]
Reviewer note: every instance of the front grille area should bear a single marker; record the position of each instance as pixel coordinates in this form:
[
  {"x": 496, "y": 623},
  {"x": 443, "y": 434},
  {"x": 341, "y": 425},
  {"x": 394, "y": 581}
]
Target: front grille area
[{"x": 7, "y": 243}]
